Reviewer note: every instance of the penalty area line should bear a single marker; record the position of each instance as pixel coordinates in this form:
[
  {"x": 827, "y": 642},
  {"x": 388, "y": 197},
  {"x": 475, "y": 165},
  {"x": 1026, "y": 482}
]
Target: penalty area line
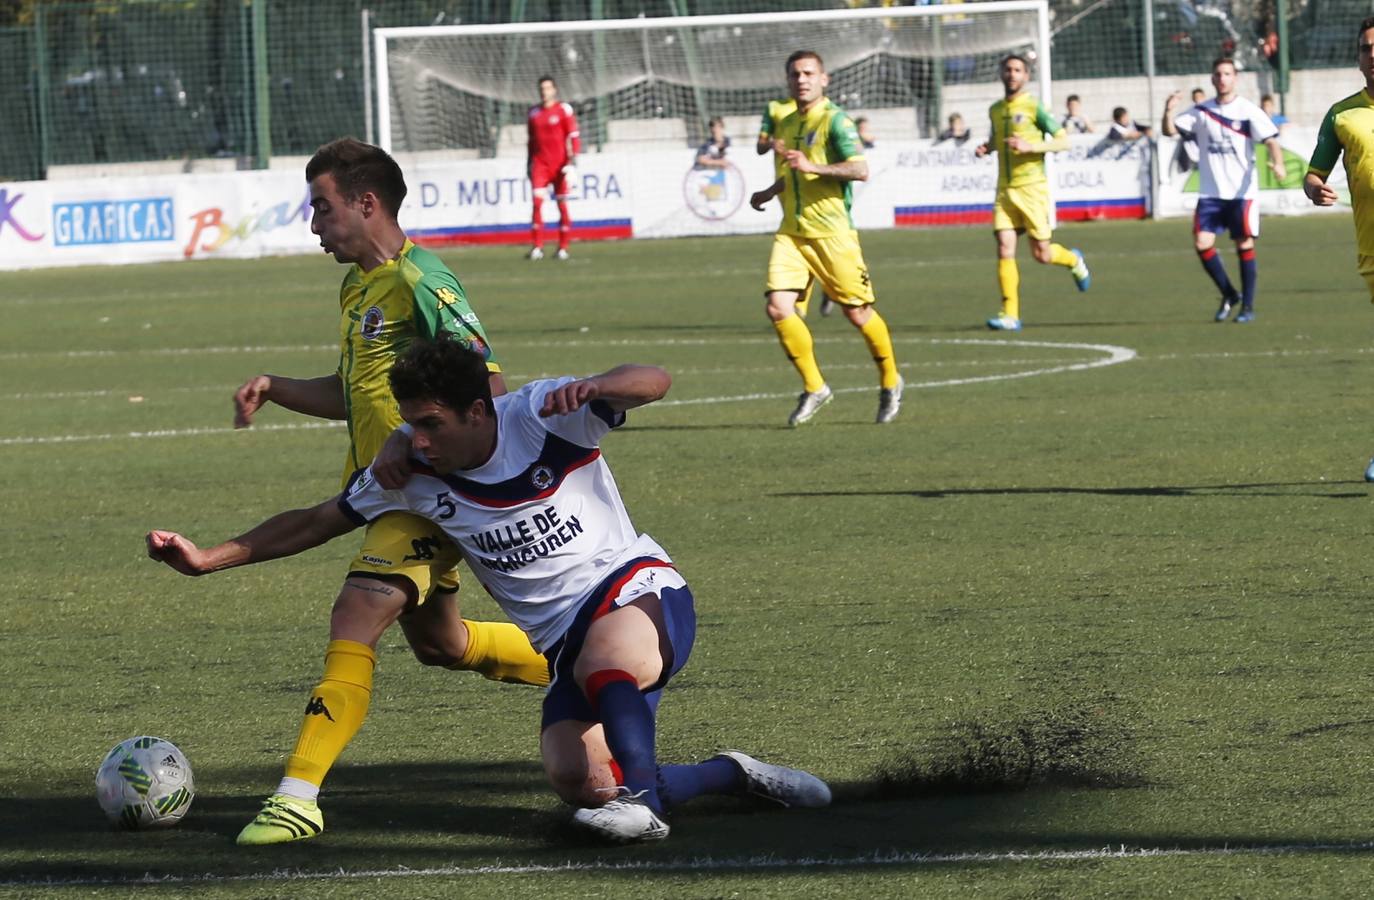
[{"x": 877, "y": 859}]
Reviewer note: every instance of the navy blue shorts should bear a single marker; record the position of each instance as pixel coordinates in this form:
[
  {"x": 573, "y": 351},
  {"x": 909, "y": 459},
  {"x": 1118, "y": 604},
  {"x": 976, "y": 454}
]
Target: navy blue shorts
[
  {"x": 564, "y": 699},
  {"x": 1240, "y": 217}
]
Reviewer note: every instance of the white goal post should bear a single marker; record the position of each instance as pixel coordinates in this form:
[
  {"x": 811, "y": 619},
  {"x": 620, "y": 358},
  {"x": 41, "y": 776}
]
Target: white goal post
[{"x": 463, "y": 90}]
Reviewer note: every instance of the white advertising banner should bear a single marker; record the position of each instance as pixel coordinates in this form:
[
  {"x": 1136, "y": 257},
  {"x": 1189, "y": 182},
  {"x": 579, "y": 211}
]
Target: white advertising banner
[{"x": 151, "y": 218}]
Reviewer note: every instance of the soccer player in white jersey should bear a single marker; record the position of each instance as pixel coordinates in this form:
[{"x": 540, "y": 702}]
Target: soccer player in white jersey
[
  {"x": 1226, "y": 129},
  {"x": 519, "y": 484}
]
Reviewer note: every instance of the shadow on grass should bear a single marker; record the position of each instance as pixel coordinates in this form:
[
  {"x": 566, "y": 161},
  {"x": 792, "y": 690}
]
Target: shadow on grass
[{"x": 1255, "y": 489}]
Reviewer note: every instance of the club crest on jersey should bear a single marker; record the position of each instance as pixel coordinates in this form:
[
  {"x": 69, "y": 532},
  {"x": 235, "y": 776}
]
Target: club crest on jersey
[
  {"x": 541, "y": 477},
  {"x": 373, "y": 320}
]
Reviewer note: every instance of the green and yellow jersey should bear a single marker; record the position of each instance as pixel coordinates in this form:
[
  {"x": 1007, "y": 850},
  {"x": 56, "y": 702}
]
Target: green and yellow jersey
[
  {"x": 772, "y": 118},
  {"x": 818, "y": 205},
  {"x": 1349, "y": 129},
  {"x": 1023, "y": 116},
  {"x": 413, "y": 295}
]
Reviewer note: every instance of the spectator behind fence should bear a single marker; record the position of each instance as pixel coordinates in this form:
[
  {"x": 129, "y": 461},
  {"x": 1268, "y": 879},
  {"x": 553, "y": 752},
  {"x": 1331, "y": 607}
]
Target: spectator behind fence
[
  {"x": 1124, "y": 128},
  {"x": 865, "y": 132},
  {"x": 957, "y": 131},
  {"x": 1271, "y": 109},
  {"x": 1074, "y": 120},
  {"x": 1198, "y": 95},
  {"x": 711, "y": 155}
]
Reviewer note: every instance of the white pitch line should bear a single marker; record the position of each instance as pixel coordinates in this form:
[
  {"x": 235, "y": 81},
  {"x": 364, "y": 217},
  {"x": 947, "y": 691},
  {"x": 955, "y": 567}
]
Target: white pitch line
[
  {"x": 160, "y": 433},
  {"x": 709, "y": 864}
]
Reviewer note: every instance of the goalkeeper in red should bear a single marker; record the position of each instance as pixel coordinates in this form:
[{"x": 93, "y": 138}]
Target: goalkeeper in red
[
  {"x": 553, "y": 147},
  {"x": 1020, "y": 124},
  {"x": 1348, "y": 130}
]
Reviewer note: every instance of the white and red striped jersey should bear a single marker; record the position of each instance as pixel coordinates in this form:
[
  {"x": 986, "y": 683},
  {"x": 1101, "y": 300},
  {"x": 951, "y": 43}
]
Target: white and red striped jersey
[
  {"x": 552, "y": 129},
  {"x": 541, "y": 523}
]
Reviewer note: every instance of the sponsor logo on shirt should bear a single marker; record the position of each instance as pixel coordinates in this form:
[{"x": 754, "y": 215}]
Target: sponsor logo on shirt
[
  {"x": 447, "y": 296},
  {"x": 376, "y": 560},
  {"x": 373, "y": 320}
]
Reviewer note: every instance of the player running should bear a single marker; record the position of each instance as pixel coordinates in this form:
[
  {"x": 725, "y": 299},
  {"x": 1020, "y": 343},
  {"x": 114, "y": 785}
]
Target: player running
[
  {"x": 519, "y": 483},
  {"x": 393, "y": 293},
  {"x": 1347, "y": 132},
  {"x": 1226, "y": 129},
  {"x": 1020, "y": 123},
  {"x": 554, "y": 143},
  {"x": 816, "y": 240}
]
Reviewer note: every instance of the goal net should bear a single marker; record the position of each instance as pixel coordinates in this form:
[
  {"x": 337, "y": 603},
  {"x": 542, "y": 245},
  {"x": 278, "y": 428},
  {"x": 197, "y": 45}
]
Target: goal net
[{"x": 650, "y": 83}]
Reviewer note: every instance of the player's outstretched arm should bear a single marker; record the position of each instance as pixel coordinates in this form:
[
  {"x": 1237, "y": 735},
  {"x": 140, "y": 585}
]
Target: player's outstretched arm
[
  {"x": 622, "y": 388},
  {"x": 1318, "y": 191},
  {"x": 321, "y": 397},
  {"x": 285, "y": 534}
]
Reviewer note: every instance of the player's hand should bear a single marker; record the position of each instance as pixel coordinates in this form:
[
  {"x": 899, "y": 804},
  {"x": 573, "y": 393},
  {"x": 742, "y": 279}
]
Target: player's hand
[
  {"x": 759, "y": 199},
  {"x": 980, "y": 151},
  {"x": 570, "y": 397},
  {"x": 779, "y": 146},
  {"x": 1321, "y": 194},
  {"x": 797, "y": 160},
  {"x": 174, "y": 550},
  {"x": 391, "y": 467},
  {"x": 1018, "y": 144},
  {"x": 249, "y": 398},
  {"x": 1278, "y": 168},
  {"x": 569, "y": 171},
  {"x": 1172, "y": 101}
]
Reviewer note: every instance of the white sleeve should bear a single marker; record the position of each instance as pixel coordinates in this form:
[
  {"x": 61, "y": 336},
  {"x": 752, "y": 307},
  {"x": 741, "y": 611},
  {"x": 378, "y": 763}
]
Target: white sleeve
[
  {"x": 584, "y": 427},
  {"x": 1262, "y": 128},
  {"x": 364, "y": 499}
]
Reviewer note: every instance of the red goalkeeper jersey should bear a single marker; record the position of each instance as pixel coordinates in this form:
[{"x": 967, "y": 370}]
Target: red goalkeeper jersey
[{"x": 551, "y": 128}]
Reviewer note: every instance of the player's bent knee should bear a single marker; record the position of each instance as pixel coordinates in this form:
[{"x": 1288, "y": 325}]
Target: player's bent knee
[{"x": 434, "y": 655}]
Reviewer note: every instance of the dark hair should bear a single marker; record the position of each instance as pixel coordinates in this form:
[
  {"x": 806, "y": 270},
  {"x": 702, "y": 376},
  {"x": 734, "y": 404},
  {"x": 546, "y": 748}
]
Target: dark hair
[
  {"x": 1017, "y": 56},
  {"x": 1118, "y": 112},
  {"x": 803, "y": 54},
  {"x": 359, "y": 168},
  {"x": 444, "y": 371},
  {"x": 1072, "y": 98},
  {"x": 548, "y": 78},
  {"x": 1266, "y": 97},
  {"x": 1365, "y": 24},
  {"x": 1227, "y": 60},
  {"x": 716, "y": 120}
]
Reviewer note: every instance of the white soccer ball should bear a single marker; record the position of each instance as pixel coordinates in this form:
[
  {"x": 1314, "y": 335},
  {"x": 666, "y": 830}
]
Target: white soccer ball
[{"x": 145, "y": 782}]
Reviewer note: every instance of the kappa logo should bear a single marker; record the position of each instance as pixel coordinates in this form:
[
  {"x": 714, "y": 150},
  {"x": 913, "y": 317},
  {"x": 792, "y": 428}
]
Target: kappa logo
[
  {"x": 376, "y": 560},
  {"x": 541, "y": 477},
  {"x": 373, "y": 321},
  {"x": 316, "y": 707},
  {"x": 447, "y": 296}
]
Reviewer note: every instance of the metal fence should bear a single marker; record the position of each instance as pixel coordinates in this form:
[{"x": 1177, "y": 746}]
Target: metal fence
[{"x": 138, "y": 80}]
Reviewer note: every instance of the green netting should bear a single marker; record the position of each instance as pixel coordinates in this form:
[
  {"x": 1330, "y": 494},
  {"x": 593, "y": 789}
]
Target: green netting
[
  {"x": 19, "y": 150},
  {"x": 136, "y": 80}
]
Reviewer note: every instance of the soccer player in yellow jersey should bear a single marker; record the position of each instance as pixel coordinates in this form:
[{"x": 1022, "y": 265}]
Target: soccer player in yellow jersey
[
  {"x": 773, "y": 114},
  {"x": 393, "y": 293},
  {"x": 1348, "y": 130},
  {"x": 816, "y": 240},
  {"x": 1020, "y": 124}
]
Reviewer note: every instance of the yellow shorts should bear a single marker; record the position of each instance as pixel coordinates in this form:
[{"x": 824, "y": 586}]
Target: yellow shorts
[
  {"x": 836, "y": 262},
  {"x": 1023, "y": 209},
  {"x": 1366, "y": 266},
  {"x": 414, "y": 548}
]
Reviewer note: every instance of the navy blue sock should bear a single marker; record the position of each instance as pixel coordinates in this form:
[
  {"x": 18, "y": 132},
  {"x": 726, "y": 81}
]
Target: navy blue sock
[
  {"x": 1249, "y": 274},
  {"x": 629, "y": 724},
  {"x": 1211, "y": 262},
  {"x": 718, "y": 775}
]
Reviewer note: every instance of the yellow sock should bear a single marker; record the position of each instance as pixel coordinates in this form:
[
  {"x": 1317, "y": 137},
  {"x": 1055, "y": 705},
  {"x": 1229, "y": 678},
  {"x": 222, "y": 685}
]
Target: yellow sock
[
  {"x": 501, "y": 652},
  {"x": 879, "y": 341},
  {"x": 797, "y": 344},
  {"x": 335, "y": 712},
  {"x": 1009, "y": 277},
  {"x": 1062, "y": 256},
  {"x": 804, "y": 302}
]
